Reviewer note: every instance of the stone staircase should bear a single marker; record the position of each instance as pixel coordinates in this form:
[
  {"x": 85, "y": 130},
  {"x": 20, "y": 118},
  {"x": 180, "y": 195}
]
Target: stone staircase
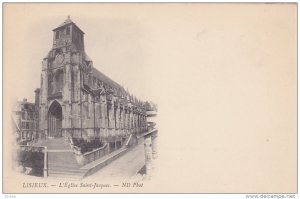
[
  {"x": 61, "y": 160},
  {"x": 62, "y": 163}
]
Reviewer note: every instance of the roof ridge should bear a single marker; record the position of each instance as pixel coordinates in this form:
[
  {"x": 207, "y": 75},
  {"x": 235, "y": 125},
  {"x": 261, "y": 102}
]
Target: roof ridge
[
  {"x": 101, "y": 76},
  {"x": 67, "y": 21}
]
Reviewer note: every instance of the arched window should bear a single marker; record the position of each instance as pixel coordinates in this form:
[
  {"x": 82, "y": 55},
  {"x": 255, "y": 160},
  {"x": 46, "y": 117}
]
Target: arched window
[
  {"x": 57, "y": 35},
  {"x": 107, "y": 114},
  {"x": 68, "y": 31}
]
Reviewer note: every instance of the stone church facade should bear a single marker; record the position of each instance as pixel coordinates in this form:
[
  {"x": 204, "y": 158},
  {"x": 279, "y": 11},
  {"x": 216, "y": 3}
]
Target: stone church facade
[{"x": 77, "y": 100}]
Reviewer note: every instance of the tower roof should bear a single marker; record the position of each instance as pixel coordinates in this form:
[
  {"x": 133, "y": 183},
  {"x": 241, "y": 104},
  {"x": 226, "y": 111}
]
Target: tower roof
[{"x": 67, "y": 22}]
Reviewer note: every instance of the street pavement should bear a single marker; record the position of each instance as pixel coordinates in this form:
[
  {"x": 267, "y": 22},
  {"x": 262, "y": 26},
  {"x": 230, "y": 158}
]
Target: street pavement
[{"x": 126, "y": 166}]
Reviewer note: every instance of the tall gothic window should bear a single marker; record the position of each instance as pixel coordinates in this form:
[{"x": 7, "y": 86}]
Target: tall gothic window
[
  {"x": 107, "y": 114},
  {"x": 57, "y": 35},
  {"x": 115, "y": 117},
  {"x": 68, "y": 31}
]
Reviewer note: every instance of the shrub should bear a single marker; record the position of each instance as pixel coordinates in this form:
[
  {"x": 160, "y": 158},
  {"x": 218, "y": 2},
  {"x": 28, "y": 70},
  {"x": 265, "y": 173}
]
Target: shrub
[
  {"x": 32, "y": 159},
  {"x": 23, "y": 142},
  {"x": 86, "y": 146}
]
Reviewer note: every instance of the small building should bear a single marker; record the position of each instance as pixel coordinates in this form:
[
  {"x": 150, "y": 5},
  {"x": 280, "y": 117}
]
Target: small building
[
  {"x": 151, "y": 112},
  {"x": 25, "y": 121}
]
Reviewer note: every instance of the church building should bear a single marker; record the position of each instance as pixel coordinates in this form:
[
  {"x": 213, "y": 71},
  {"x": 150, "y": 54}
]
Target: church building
[{"x": 76, "y": 100}]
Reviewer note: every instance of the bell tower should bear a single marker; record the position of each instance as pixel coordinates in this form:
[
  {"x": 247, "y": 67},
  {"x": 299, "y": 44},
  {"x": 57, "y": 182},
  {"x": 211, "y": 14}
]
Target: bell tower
[
  {"x": 62, "y": 80},
  {"x": 69, "y": 35}
]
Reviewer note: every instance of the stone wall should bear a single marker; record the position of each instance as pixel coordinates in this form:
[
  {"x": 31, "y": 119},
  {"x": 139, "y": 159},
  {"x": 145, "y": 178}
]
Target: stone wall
[{"x": 87, "y": 113}]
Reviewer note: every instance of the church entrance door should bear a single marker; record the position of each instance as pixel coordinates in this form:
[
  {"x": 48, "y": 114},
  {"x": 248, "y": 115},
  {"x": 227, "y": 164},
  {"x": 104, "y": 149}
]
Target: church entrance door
[{"x": 54, "y": 120}]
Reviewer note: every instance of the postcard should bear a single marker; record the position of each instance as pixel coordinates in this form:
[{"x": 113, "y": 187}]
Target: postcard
[{"x": 149, "y": 98}]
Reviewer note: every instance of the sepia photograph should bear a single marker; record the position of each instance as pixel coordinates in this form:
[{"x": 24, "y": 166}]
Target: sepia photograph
[
  {"x": 81, "y": 120},
  {"x": 150, "y": 98}
]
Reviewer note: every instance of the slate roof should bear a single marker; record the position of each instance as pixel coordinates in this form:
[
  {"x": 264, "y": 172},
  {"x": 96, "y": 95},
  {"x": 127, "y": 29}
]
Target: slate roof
[
  {"x": 66, "y": 22},
  {"x": 106, "y": 79}
]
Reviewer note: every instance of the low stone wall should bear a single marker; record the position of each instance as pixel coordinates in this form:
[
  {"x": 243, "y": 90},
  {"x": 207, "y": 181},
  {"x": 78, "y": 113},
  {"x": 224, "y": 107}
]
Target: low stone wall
[
  {"x": 131, "y": 141},
  {"x": 83, "y": 159},
  {"x": 31, "y": 142}
]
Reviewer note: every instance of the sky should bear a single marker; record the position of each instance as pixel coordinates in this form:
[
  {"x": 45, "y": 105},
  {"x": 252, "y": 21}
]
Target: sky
[{"x": 114, "y": 44}]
